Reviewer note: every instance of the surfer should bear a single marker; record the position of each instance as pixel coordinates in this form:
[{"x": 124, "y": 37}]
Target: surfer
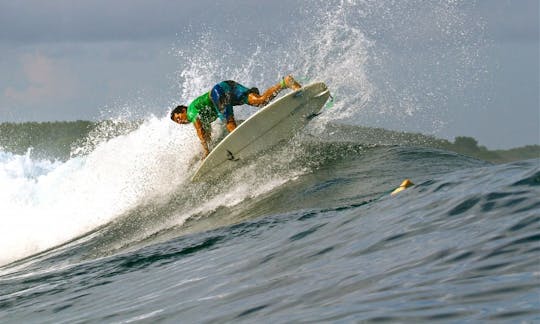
[{"x": 219, "y": 102}]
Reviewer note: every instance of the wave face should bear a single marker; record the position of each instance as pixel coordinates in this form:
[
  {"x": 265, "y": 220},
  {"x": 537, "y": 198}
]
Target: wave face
[
  {"x": 101, "y": 223},
  {"x": 330, "y": 244}
]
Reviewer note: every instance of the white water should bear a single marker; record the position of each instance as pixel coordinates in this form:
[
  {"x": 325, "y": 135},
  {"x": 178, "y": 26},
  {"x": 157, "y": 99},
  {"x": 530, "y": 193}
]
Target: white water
[{"x": 45, "y": 203}]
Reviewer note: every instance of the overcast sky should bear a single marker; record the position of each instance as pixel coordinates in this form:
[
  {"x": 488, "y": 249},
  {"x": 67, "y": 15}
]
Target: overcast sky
[{"x": 68, "y": 59}]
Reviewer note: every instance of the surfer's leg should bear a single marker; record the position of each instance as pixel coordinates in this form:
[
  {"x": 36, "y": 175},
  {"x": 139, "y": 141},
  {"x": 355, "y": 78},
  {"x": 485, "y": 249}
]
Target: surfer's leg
[
  {"x": 231, "y": 124},
  {"x": 229, "y": 117},
  {"x": 221, "y": 97},
  {"x": 254, "y": 99}
]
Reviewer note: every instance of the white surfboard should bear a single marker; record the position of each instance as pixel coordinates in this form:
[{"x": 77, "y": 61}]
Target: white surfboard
[{"x": 278, "y": 121}]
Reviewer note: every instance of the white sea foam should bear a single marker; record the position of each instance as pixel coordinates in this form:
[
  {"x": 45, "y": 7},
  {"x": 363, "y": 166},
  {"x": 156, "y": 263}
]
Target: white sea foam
[{"x": 46, "y": 203}]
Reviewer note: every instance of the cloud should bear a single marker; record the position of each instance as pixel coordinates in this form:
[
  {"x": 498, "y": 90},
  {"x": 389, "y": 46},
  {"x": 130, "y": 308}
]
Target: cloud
[
  {"x": 32, "y": 21},
  {"x": 510, "y": 20},
  {"x": 45, "y": 80}
]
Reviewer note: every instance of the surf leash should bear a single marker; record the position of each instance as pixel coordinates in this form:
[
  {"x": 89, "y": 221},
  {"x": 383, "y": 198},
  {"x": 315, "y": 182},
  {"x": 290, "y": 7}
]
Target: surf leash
[{"x": 330, "y": 103}]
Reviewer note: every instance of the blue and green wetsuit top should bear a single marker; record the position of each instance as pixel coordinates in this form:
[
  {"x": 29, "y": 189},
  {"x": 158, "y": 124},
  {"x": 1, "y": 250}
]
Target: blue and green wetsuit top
[{"x": 218, "y": 102}]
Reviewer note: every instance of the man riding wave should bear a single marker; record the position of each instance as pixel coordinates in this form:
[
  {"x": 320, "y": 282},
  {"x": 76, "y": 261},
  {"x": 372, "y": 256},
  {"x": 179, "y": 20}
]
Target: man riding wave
[{"x": 219, "y": 102}]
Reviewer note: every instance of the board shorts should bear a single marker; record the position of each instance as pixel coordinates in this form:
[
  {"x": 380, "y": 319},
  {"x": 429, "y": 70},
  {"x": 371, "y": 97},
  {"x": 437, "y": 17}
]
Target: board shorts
[{"x": 227, "y": 94}]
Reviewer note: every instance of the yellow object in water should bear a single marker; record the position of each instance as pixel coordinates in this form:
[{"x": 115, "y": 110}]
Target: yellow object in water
[{"x": 404, "y": 185}]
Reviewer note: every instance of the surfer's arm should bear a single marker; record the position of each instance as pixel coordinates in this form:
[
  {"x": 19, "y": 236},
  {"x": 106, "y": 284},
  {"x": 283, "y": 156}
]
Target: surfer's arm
[{"x": 203, "y": 135}]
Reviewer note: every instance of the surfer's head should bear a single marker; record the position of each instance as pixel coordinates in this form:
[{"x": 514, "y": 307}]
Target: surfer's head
[{"x": 179, "y": 115}]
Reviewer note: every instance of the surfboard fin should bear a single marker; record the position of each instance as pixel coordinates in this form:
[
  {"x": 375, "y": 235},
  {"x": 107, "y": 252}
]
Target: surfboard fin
[
  {"x": 330, "y": 103},
  {"x": 231, "y": 157},
  {"x": 310, "y": 117}
]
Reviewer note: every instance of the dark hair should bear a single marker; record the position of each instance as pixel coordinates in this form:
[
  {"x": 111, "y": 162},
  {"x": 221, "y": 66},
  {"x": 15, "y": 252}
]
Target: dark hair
[{"x": 177, "y": 110}]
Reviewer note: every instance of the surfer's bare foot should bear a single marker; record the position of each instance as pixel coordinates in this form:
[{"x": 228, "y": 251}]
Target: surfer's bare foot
[{"x": 291, "y": 83}]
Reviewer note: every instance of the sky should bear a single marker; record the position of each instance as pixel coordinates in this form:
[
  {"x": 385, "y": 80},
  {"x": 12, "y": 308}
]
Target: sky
[{"x": 74, "y": 59}]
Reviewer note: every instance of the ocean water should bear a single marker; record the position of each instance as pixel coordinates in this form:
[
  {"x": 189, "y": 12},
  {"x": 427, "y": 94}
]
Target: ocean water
[
  {"x": 316, "y": 237},
  {"x": 111, "y": 230}
]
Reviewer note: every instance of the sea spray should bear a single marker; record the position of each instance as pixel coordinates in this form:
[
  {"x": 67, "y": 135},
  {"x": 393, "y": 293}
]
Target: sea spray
[
  {"x": 397, "y": 65},
  {"x": 138, "y": 178},
  {"x": 45, "y": 204}
]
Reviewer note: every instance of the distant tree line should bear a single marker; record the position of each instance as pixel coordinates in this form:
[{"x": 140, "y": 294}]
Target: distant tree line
[
  {"x": 52, "y": 140},
  {"x": 469, "y": 146},
  {"x": 462, "y": 144},
  {"x": 55, "y": 140}
]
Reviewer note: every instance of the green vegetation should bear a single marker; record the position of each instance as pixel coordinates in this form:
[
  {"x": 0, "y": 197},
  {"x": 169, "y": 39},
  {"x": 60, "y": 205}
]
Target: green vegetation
[
  {"x": 57, "y": 140},
  {"x": 469, "y": 146},
  {"x": 47, "y": 139},
  {"x": 462, "y": 145}
]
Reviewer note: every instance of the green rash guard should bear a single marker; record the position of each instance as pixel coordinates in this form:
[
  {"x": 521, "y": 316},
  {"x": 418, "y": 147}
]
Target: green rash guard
[{"x": 203, "y": 108}]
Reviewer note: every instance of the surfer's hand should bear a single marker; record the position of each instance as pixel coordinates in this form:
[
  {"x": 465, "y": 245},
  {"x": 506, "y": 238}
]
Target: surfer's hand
[{"x": 205, "y": 154}]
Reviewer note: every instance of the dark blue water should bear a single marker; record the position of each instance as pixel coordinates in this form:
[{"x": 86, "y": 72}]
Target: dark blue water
[{"x": 329, "y": 245}]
